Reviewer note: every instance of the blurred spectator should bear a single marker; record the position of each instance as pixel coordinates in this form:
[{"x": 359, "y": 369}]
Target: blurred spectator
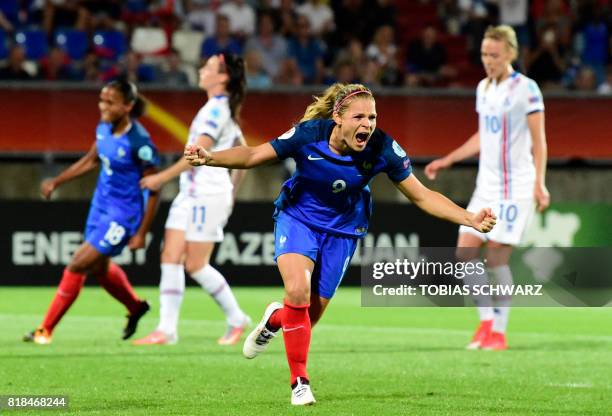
[
  {"x": 56, "y": 66},
  {"x": 307, "y": 52},
  {"x": 383, "y": 52},
  {"x": 241, "y": 17},
  {"x": 606, "y": 87},
  {"x": 100, "y": 14},
  {"x": 354, "y": 53},
  {"x": 91, "y": 70},
  {"x": 14, "y": 68},
  {"x": 450, "y": 13},
  {"x": 256, "y": 76},
  {"x": 426, "y": 60},
  {"x": 545, "y": 64},
  {"x": 287, "y": 18},
  {"x": 320, "y": 16},
  {"x": 352, "y": 19},
  {"x": 201, "y": 15},
  {"x": 136, "y": 13},
  {"x": 171, "y": 73},
  {"x": 9, "y": 15},
  {"x": 344, "y": 72},
  {"x": 132, "y": 69},
  {"x": 476, "y": 19},
  {"x": 593, "y": 42},
  {"x": 585, "y": 80},
  {"x": 271, "y": 47},
  {"x": 222, "y": 41},
  {"x": 60, "y": 13},
  {"x": 515, "y": 13},
  {"x": 383, "y": 13},
  {"x": 556, "y": 15}
]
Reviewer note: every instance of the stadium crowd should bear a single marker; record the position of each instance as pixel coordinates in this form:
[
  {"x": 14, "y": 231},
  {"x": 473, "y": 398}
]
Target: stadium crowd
[{"x": 565, "y": 44}]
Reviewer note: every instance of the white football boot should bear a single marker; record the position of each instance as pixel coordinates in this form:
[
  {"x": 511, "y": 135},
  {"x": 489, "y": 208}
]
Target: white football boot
[
  {"x": 259, "y": 338},
  {"x": 301, "y": 395}
]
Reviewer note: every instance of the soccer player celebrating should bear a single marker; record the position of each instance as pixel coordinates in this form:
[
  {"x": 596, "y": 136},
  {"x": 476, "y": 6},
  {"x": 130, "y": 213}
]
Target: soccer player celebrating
[
  {"x": 511, "y": 174},
  {"x": 201, "y": 209},
  {"x": 120, "y": 212},
  {"x": 324, "y": 209}
]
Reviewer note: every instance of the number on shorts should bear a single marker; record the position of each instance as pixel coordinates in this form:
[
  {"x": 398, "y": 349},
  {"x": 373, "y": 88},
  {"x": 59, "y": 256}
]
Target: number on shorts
[
  {"x": 194, "y": 214},
  {"x": 508, "y": 212},
  {"x": 115, "y": 233}
]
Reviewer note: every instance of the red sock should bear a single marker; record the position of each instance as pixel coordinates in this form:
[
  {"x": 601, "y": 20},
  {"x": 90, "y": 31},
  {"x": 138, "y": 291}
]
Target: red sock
[
  {"x": 296, "y": 334},
  {"x": 116, "y": 283},
  {"x": 275, "y": 322},
  {"x": 67, "y": 292}
]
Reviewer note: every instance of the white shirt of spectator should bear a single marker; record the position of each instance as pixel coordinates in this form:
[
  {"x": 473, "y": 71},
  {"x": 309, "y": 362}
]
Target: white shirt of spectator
[
  {"x": 242, "y": 18},
  {"x": 214, "y": 120},
  {"x": 506, "y": 168},
  {"x": 513, "y": 12},
  {"x": 319, "y": 15}
]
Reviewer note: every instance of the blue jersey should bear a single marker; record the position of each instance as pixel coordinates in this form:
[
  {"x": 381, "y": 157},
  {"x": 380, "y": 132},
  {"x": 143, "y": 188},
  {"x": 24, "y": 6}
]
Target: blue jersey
[
  {"x": 329, "y": 192},
  {"x": 123, "y": 160}
]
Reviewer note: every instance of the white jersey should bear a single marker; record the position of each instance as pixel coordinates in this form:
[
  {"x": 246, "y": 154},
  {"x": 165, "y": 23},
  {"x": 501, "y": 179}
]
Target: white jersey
[
  {"x": 214, "y": 120},
  {"x": 506, "y": 170}
]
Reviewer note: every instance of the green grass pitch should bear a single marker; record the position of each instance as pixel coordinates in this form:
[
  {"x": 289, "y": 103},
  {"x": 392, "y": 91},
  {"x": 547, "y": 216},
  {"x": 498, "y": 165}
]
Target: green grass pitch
[{"x": 363, "y": 361}]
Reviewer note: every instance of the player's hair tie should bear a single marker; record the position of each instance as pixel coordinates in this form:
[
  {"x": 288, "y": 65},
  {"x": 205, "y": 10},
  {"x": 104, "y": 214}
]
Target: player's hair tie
[{"x": 339, "y": 103}]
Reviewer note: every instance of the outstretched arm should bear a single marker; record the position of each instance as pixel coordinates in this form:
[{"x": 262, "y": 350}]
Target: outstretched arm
[
  {"x": 436, "y": 204},
  {"x": 468, "y": 149},
  {"x": 85, "y": 164},
  {"x": 237, "y": 175},
  {"x": 239, "y": 157},
  {"x": 155, "y": 181}
]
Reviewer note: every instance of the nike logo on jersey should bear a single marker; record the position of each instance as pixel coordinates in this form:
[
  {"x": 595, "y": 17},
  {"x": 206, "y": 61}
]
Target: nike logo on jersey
[
  {"x": 295, "y": 328},
  {"x": 311, "y": 157}
]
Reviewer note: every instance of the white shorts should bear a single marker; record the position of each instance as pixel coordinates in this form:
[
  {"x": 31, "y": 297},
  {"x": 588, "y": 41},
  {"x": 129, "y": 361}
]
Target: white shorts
[
  {"x": 202, "y": 218},
  {"x": 513, "y": 217}
]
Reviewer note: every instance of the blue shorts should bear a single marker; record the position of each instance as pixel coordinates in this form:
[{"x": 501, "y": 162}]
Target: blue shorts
[
  {"x": 108, "y": 233},
  {"x": 331, "y": 253}
]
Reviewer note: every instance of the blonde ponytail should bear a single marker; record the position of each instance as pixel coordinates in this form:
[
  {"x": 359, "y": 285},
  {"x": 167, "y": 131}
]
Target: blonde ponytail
[{"x": 334, "y": 98}]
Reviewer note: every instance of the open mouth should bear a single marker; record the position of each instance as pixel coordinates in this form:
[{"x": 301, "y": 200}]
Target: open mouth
[{"x": 362, "y": 137}]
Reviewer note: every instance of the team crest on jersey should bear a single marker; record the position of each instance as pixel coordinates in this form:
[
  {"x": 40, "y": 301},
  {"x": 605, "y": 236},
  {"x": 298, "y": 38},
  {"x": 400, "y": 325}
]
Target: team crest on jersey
[
  {"x": 507, "y": 102},
  {"x": 398, "y": 149},
  {"x": 282, "y": 240},
  {"x": 120, "y": 152},
  {"x": 367, "y": 165},
  {"x": 287, "y": 135},
  {"x": 215, "y": 113},
  {"x": 145, "y": 153}
]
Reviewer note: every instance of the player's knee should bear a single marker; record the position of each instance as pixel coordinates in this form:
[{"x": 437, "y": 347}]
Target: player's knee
[
  {"x": 194, "y": 265},
  {"x": 78, "y": 267},
  {"x": 168, "y": 256},
  {"x": 298, "y": 294}
]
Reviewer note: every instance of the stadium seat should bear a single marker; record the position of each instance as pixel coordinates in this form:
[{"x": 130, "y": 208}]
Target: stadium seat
[
  {"x": 149, "y": 41},
  {"x": 3, "y": 45},
  {"x": 188, "y": 44},
  {"x": 73, "y": 42},
  {"x": 34, "y": 42},
  {"x": 109, "y": 44}
]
